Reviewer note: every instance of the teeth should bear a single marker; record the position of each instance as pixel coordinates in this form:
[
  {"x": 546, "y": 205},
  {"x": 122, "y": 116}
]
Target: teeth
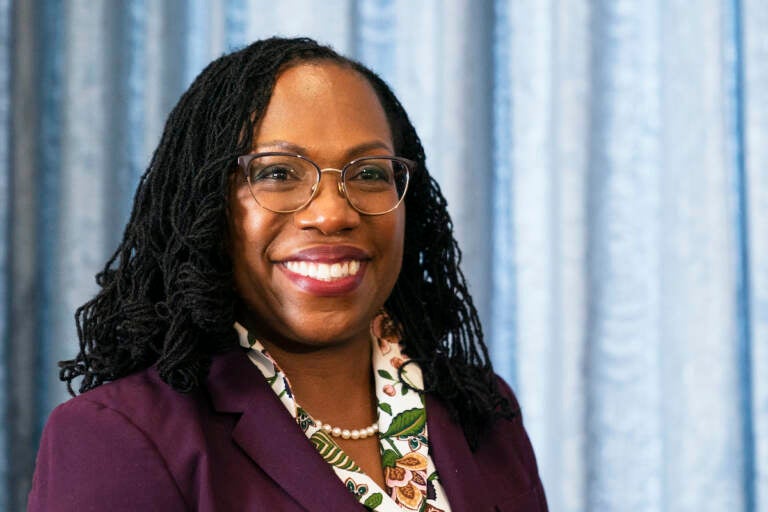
[{"x": 324, "y": 271}]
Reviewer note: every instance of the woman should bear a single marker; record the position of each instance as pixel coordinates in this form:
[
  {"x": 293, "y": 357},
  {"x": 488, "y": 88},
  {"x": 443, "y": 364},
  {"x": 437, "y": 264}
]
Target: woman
[{"x": 288, "y": 198}]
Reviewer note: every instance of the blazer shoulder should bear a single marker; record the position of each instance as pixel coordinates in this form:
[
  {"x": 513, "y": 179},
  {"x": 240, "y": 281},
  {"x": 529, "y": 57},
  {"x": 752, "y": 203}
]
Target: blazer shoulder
[
  {"x": 136, "y": 389},
  {"x": 509, "y": 437},
  {"x": 93, "y": 453},
  {"x": 145, "y": 399},
  {"x": 506, "y": 391}
]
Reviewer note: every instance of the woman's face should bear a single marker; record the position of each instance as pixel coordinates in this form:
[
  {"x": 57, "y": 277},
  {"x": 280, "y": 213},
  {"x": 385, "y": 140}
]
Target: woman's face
[{"x": 330, "y": 114}]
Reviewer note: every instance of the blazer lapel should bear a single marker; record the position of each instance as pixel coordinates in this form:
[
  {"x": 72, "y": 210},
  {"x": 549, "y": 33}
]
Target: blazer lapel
[
  {"x": 454, "y": 461},
  {"x": 268, "y": 434}
]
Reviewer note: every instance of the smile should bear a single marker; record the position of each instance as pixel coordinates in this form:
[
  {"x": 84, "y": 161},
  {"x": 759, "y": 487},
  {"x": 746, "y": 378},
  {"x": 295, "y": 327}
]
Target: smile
[{"x": 324, "y": 271}]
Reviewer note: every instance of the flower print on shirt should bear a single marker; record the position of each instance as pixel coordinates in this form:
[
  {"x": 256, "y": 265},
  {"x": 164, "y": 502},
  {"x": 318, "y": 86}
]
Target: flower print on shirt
[{"x": 411, "y": 481}]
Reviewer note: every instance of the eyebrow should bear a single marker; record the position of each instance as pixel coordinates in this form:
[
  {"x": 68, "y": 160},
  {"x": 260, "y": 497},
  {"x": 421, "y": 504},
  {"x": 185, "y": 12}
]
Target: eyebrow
[{"x": 284, "y": 145}]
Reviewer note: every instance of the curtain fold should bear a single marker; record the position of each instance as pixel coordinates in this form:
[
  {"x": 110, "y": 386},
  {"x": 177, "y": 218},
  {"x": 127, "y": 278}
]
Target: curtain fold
[
  {"x": 623, "y": 325},
  {"x": 752, "y": 19},
  {"x": 605, "y": 164},
  {"x": 24, "y": 241},
  {"x": 6, "y": 58}
]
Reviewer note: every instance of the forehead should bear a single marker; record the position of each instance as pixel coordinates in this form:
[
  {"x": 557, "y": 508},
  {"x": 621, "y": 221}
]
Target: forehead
[{"x": 323, "y": 106}]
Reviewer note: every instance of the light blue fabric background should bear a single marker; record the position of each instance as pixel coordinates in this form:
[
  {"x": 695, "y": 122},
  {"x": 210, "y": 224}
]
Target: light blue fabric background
[{"x": 606, "y": 166}]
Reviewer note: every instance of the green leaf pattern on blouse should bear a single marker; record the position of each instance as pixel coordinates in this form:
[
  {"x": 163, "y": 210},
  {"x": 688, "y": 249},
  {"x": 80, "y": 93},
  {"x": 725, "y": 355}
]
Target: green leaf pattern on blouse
[
  {"x": 412, "y": 483},
  {"x": 331, "y": 452}
]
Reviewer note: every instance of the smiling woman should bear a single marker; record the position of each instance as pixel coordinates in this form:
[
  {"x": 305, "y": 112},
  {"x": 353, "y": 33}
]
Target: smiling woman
[
  {"x": 307, "y": 114},
  {"x": 285, "y": 326}
]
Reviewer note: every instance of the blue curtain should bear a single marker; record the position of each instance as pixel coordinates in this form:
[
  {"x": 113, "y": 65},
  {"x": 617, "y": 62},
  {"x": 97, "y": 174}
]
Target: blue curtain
[{"x": 606, "y": 167}]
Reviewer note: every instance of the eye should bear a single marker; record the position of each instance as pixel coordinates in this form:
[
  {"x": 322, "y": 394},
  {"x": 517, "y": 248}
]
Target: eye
[
  {"x": 276, "y": 172},
  {"x": 372, "y": 172}
]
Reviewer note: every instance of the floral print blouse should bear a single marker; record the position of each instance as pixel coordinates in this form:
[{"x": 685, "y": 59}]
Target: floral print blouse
[{"x": 412, "y": 482}]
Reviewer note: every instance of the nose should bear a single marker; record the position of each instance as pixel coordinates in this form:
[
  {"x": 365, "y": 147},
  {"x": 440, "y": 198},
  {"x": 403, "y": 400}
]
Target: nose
[{"x": 329, "y": 211}]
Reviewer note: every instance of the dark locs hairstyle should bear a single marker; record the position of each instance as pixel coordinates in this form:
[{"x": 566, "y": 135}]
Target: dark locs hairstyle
[{"x": 167, "y": 295}]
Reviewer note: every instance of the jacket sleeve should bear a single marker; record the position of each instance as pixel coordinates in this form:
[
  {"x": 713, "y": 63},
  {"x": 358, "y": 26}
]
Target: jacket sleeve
[{"x": 92, "y": 457}]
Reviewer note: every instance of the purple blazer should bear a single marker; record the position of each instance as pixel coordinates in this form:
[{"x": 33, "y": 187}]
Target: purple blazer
[{"x": 136, "y": 444}]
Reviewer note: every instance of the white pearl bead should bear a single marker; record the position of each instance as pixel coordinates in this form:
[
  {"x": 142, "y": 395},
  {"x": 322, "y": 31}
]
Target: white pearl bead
[{"x": 346, "y": 433}]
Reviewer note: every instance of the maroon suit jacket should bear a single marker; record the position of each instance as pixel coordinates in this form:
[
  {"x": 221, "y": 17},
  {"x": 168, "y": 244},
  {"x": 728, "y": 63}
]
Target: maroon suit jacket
[{"x": 137, "y": 445}]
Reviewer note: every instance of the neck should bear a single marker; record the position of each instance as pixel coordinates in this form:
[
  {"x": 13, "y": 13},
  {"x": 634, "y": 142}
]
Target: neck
[{"x": 334, "y": 384}]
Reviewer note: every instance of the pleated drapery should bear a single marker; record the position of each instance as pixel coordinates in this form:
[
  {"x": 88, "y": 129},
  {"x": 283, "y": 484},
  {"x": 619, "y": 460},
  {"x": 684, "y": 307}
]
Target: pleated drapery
[{"x": 606, "y": 167}]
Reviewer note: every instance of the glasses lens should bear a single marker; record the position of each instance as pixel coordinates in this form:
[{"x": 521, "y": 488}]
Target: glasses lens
[
  {"x": 376, "y": 185},
  {"x": 281, "y": 183}
]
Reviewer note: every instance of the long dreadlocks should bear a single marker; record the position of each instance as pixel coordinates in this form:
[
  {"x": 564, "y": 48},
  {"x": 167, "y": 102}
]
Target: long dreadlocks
[{"x": 167, "y": 297}]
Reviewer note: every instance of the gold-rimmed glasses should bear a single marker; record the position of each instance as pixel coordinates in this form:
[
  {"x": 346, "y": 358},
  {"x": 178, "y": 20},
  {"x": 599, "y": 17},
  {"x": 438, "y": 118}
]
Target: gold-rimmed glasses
[{"x": 286, "y": 182}]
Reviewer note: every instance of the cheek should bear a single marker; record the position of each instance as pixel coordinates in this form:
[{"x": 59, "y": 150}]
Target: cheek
[
  {"x": 400, "y": 229},
  {"x": 395, "y": 241},
  {"x": 248, "y": 233},
  {"x": 236, "y": 229}
]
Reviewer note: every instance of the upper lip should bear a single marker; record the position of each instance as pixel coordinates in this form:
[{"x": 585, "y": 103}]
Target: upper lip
[{"x": 328, "y": 253}]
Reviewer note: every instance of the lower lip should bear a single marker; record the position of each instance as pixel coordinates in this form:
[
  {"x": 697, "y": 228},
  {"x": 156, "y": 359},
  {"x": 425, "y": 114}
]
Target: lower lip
[{"x": 333, "y": 288}]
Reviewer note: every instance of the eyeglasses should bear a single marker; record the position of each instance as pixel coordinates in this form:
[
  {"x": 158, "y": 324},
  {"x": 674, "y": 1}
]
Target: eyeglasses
[{"x": 285, "y": 183}]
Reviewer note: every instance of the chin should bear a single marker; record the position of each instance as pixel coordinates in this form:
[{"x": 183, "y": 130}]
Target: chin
[{"x": 327, "y": 328}]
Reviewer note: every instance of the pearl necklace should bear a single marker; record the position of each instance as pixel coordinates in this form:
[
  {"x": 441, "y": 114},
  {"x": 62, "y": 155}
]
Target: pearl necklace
[{"x": 345, "y": 433}]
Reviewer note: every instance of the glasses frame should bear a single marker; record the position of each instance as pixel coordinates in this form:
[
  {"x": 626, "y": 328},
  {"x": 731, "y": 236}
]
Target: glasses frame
[{"x": 245, "y": 160}]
